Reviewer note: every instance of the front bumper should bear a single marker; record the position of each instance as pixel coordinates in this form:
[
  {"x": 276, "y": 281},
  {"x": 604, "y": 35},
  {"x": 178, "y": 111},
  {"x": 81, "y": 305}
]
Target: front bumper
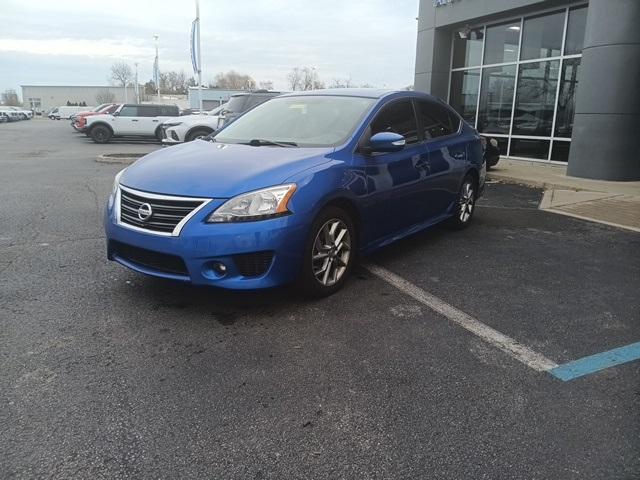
[{"x": 201, "y": 245}]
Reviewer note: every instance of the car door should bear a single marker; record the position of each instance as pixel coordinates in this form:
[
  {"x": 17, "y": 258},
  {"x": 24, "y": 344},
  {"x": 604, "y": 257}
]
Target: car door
[
  {"x": 148, "y": 119},
  {"x": 126, "y": 122},
  {"x": 395, "y": 198},
  {"x": 447, "y": 151}
]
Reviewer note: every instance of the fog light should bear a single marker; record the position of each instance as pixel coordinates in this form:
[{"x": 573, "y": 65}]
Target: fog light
[{"x": 220, "y": 268}]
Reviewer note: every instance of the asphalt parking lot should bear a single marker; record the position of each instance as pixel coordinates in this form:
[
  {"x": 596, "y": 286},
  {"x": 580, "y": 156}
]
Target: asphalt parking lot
[{"x": 109, "y": 374}]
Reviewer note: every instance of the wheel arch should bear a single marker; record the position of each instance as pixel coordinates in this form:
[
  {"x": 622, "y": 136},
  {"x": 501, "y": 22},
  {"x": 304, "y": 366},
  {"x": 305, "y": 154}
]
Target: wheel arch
[
  {"x": 349, "y": 205},
  {"x": 198, "y": 127},
  {"x": 102, "y": 124}
]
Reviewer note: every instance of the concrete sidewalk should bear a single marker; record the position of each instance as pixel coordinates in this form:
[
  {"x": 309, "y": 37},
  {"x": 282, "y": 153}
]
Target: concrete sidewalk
[{"x": 612, "y": 203}]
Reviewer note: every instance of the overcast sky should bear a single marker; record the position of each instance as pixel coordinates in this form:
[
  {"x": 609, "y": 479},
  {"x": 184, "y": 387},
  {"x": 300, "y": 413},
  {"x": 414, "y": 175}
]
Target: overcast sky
[{"x": 63, "y": 42}]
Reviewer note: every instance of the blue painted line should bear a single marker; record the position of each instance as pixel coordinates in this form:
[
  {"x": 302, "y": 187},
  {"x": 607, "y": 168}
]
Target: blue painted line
[{"x": 599, "y": 361}]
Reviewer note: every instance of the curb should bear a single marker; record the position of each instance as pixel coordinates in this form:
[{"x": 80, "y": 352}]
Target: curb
[
  {"x": 533, "y": 183},
  {"x": 122, "y": 158}
]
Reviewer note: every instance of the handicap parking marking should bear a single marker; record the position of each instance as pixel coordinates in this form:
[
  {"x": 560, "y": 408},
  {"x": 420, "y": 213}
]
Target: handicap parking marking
[
  {"x": 523, "y": 354},
  {"x": 594, "y": 363},
  {"x": 565, "y": 372}
]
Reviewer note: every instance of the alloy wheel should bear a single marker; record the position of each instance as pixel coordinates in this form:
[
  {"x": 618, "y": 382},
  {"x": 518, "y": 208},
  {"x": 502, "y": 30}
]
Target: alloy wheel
[
  {"x": 331, "y": 252},
  {"x": 467, "y": 199}
]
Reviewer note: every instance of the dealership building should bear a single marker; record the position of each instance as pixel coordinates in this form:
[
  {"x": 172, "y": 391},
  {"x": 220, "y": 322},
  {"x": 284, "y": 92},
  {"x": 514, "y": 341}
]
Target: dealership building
[
  {"x": 551, "y": 81},
  {"x": 45, "y": 97}
]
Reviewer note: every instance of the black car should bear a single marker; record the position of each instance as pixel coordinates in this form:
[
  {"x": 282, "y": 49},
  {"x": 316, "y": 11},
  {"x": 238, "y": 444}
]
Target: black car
[{"x": 241, "y": 102}]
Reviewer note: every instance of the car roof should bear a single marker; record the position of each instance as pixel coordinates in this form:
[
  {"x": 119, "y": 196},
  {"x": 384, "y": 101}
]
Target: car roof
[{"x": 361, "y": 92}]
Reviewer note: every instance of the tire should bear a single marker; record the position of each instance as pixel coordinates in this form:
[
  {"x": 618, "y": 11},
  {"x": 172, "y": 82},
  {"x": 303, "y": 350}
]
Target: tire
[
  {"x": 197, "y": 133},
  {"x": 466, "y": 203},
  {"x": 101, "y": 134},
  {"x": 338, "y": 261}
]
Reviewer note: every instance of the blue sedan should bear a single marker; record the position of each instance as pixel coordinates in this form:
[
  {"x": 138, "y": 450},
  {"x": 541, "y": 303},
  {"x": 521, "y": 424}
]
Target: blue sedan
[{"x": 295, "y": 190}]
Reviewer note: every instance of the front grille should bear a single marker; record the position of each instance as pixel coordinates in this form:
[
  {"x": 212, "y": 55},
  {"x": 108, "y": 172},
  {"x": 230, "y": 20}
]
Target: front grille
[
  {"x": 161, "y": 262},
  {"x": 166, "y": 212},
  {"x": 253, "y": 264}
]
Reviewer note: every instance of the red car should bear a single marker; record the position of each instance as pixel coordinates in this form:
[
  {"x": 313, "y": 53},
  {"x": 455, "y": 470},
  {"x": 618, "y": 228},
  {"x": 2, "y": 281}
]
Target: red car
[{"x": 79, "y": 121}]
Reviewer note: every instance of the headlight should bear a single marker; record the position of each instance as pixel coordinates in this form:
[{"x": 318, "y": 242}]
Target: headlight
[
  {"x": 171, "y": 124},
  {"x": 257, "y": 205},
  {"x": 116, "y": 182}
]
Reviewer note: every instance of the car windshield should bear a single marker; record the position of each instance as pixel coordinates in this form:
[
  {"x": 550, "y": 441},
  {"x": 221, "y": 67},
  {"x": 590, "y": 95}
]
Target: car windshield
[
  {"x": 235, "y": 104},
  {"x": 304, "y": 121}
]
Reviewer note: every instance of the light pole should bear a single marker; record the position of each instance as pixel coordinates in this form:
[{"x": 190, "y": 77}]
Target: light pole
[
  {"x": 157, "y": 66},
  {"x": 137, "y": 92},
  {"x": 199, "y": 59}
]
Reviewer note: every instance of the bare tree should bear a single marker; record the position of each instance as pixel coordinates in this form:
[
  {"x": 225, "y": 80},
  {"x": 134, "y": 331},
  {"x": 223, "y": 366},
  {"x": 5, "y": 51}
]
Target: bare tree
[
  {"x": 121, "y": 74},
  {"x": 105, "y": 96},
  {"x": 10, "y": 98},
  {"x": 304, "y": 78},
  {"x": 233, "y": 80},
  {"x": 341, "y": 83},
  {"x": 266, "y": 85}
]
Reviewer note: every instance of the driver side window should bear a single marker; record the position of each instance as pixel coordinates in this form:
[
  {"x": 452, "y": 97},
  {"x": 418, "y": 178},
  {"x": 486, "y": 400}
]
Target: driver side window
[{"x": 397, "y": 117}]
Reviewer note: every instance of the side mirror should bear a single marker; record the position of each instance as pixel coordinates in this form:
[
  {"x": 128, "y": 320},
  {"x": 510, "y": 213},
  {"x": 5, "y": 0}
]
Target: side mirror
[
  {"x": 115, "y": 114},
  {"x": 386, "y": 142}
]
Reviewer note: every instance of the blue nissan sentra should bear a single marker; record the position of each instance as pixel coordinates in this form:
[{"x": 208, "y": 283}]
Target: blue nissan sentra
[{"x": 295, "y": 189}]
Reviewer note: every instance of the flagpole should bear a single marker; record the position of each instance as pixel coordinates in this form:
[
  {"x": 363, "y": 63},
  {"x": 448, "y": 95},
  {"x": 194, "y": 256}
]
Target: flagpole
[
  {"x": 157, "y": 67},
  {"x": 199, "y": 57}
]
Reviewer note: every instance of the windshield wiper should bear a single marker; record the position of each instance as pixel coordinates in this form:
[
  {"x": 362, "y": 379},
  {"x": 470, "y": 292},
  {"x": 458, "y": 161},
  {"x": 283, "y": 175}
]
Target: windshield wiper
[{"x": 258, "y": 142}]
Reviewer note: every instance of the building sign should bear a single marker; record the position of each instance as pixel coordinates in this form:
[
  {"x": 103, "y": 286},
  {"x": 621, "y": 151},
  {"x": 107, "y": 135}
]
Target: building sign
[{"x": 439, "y": 3}]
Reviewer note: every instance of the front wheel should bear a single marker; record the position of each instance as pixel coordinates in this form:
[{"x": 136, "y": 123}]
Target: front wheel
[
  {"x": 329, "y": 253},
  {"x": 100, "y": 134},
  {"x": 197, "y": 134},
  {"x": 465, "y": 205}
]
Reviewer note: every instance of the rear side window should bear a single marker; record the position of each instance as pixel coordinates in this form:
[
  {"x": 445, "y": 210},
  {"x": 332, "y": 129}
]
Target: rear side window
[
  {"x": 147, "y": 111},
  {"x": 435, "y": 119},
  {"x": 236, "y": 104},
  {"x": 398, "y": 117},
  {"x": 169, "y": 111},
  {"x": 129, "y": 111},
  {"x": 256, "y": 100}
]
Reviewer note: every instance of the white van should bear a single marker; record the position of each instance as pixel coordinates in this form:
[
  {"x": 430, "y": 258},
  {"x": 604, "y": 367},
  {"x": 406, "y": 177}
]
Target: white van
[{"x": 66, "y": 112}]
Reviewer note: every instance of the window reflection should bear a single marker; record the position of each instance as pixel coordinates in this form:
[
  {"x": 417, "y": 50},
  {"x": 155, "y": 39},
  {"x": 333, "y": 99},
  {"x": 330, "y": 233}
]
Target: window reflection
[
  {"x": 542, "y": 36},
  {"x": 501, "y": 45},
  {"x": 575, "y": 30},
  {"x": 496, "y": 99},
  {"x": 464, "y": 93},
  {"x": 467, "y": 52},
  {"x": 535, "y": 98},
  {"x": 560, "y": 151},
  {"x": 527, "y": 148},
  {"x": 567, "y": 97}
]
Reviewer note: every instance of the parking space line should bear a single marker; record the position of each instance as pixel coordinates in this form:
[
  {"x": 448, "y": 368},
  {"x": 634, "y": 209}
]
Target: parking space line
[
  {"x": 594, "y": 363},
  {"x": 523, "y": 354}
]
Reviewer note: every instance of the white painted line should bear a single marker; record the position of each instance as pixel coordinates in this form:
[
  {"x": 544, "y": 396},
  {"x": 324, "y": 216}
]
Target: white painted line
[{"x": 507, "y": 344}]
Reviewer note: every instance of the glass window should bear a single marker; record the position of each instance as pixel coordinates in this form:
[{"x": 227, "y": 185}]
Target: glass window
[
  {"x": 148, "y": 111},
  {"x": 567, "y": 97},
  {"x": 560, "y": 151},
  {"x": 398, "y": 117},
  {"x": 496, "y": 99},
  {"x": 314, "y": 121},
  {"x": 575, "y": 30},
  {"x": 129, "y": 111},
  {"x": 524, "y": 147},
  {"x": 501, "y": 44},
  {"x": 435, "y": 119},
  {"x": 467, "y": 52},
  {"x": 464, "y": 93},
  {"x": 535, "y": 98},
  {"x": 542, "y": 36}
]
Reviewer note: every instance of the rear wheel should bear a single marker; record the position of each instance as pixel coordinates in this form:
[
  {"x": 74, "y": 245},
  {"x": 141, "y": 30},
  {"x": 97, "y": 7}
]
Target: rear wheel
[
  {"x": 197, "y": 134},
  {"x": 466, "y": 204},
  {"x": 101, "y": 134},
  {"x": 329, "y": 253}
]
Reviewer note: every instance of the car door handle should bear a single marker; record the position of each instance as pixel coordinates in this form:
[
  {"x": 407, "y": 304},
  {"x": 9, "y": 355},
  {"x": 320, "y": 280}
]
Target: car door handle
[
  {"x": 459, "y": 155},
  {"x": 134, "y": 120},
  {"x": 154, "y": 120}
]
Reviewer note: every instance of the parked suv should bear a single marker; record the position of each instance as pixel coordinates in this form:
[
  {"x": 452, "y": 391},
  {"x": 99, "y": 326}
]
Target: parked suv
[
  {"x": 189, "y": 127},
  {"x": 241, "y": 102},
  {"x": 130, "y": 120}
]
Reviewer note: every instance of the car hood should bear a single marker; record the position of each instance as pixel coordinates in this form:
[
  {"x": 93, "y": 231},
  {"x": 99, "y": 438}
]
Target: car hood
[{"x": 218, "y": 170}]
